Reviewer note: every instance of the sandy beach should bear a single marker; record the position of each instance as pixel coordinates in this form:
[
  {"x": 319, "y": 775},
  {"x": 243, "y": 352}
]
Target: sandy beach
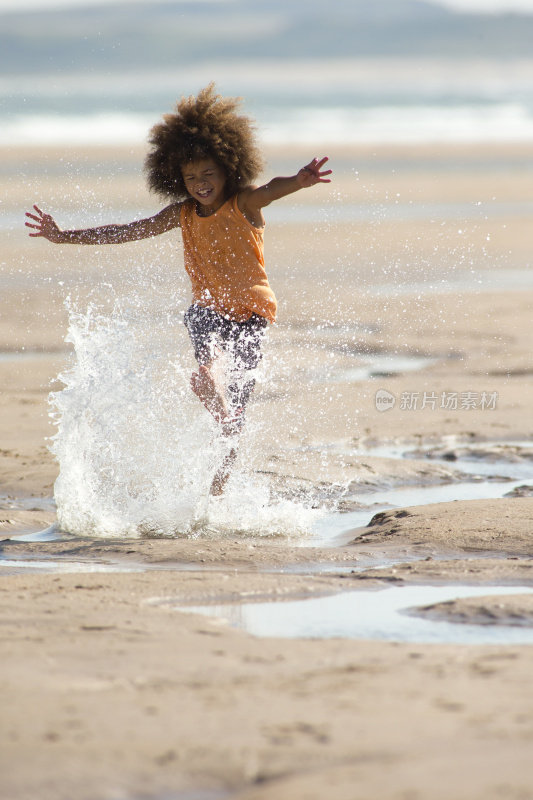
[{"x": 398, "y": 401}]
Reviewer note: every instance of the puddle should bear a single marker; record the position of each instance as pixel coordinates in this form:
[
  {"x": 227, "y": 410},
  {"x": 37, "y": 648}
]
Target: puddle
[
  {"x": 18, "y": 566},
  {"x": 336, "y": 529},
  {"x": 497, "y": 468},
  {"x": 209, "y": 794},
  {"x": 492, "y": 450},
  {"x": 372, "y": 366},
  {"x": 51, "y": 534},
  {"x": 509, "y": 458},
  {"x": 378, "y": 614}
]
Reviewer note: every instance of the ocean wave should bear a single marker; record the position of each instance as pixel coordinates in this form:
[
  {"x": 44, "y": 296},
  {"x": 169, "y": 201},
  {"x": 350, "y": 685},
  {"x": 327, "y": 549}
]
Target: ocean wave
[{"x": 386, "y": 124}]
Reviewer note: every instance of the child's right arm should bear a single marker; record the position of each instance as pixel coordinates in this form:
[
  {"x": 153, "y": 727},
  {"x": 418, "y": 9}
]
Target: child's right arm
[{"x": 165, "y": 220}]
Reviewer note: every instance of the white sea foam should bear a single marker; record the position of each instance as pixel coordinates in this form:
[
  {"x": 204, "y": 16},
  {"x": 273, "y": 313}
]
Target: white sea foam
[
  {"x": 103, "y": 128},
  {"x": 136, "y": 450},
  {"x": 401, "y": 123},
  {"x": 341, "y": 125}
]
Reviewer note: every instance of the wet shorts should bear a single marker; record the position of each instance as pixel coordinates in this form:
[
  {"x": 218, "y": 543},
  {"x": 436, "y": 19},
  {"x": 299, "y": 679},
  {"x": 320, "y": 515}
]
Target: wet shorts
[{"x": 210, "y": 331}]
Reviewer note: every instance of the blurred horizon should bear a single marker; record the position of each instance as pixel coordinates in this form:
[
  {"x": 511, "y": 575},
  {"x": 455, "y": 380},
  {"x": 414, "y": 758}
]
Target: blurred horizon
[
  {"x": 467, "y": 6},
  {"x": 386, "y": 71}
]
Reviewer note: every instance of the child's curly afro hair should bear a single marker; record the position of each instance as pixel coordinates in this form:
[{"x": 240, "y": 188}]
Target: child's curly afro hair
[{"x": 206, "y": 126}]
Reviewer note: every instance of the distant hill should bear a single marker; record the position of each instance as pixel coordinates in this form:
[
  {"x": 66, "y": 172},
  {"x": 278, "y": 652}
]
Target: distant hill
[{"x": 156, "y": 35}]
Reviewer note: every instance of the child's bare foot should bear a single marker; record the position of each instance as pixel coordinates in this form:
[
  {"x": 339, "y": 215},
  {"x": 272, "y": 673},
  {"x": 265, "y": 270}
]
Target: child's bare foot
[{"x": 205, "y": 388}]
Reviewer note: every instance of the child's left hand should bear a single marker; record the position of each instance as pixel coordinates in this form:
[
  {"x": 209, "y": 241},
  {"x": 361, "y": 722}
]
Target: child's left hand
[{"x": 311, "y": 174}]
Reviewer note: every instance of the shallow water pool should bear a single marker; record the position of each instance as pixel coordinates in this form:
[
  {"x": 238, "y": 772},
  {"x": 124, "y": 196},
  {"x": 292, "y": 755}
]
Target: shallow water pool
[
  {"x": 375, "y": 614},
  {"x": 334, "y": 530}
]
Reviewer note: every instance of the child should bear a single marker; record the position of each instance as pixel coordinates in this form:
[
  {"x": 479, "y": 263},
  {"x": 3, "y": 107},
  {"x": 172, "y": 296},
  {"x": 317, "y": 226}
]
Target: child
[{"x": 204, "y": 158}]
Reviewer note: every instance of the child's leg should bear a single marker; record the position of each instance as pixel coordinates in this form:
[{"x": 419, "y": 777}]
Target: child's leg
[
  {"x": 210, "y": 332},
  {"x": 209, "y": 393},
  {"x": 223, "y": 472},
  {"x": 245, "y": 349},
  {"x": 243, "y": 345},
  {"x": 205, "y": 331}
]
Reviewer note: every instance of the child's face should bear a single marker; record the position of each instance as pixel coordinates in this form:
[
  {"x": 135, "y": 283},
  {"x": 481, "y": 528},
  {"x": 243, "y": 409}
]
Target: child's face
[{"x": 205, "y": 181}]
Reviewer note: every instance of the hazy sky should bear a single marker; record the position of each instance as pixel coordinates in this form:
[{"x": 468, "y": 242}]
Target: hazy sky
[
  {"x": 487, "y": 5},
  {"x": 465, "y": 5}
]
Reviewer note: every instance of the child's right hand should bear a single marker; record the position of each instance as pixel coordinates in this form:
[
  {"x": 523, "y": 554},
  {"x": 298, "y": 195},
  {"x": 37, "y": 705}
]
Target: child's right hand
[
  {"x": 312, "y": 173},
  {"x": 45, "y": 226}
]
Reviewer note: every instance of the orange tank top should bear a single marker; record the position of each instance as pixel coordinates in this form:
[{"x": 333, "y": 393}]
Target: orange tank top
[{"x": 225, "y": 262}]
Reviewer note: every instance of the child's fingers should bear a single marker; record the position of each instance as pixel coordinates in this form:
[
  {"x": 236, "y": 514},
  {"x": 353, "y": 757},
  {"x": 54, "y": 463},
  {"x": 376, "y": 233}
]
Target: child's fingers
[
  {"x": 315, "y": 164},
  {"x": 313, "y": 169},
  {"x": 32, "y": 216},
  {"x": 29, "y": 225},
  {"x": 38, "y": 210}
]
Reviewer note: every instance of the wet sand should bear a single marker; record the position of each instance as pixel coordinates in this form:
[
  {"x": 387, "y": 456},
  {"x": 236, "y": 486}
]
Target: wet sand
[
  {"x": 106, "y": 694},
  {"x": 517, "y": 611}
]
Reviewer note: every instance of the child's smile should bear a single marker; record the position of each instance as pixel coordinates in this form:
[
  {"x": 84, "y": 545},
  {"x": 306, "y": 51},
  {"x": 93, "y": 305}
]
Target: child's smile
[{"x": 205, "y": 181}]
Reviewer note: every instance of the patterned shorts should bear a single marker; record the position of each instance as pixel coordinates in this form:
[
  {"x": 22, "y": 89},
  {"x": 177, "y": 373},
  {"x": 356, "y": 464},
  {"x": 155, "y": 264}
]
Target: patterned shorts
[{"x": 209, "y": 331}]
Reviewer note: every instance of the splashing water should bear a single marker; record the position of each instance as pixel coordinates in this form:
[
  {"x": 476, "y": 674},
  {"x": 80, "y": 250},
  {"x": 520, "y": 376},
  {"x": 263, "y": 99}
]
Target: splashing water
[{"x": 137, "y": 452}]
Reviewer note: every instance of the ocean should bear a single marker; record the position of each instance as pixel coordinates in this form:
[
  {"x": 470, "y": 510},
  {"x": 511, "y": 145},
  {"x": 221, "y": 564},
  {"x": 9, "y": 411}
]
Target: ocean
[{"x": 343, "y": 102}]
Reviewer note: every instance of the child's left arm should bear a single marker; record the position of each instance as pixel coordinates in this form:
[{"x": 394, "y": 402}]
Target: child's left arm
[{"x": 256, "y": 198}]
